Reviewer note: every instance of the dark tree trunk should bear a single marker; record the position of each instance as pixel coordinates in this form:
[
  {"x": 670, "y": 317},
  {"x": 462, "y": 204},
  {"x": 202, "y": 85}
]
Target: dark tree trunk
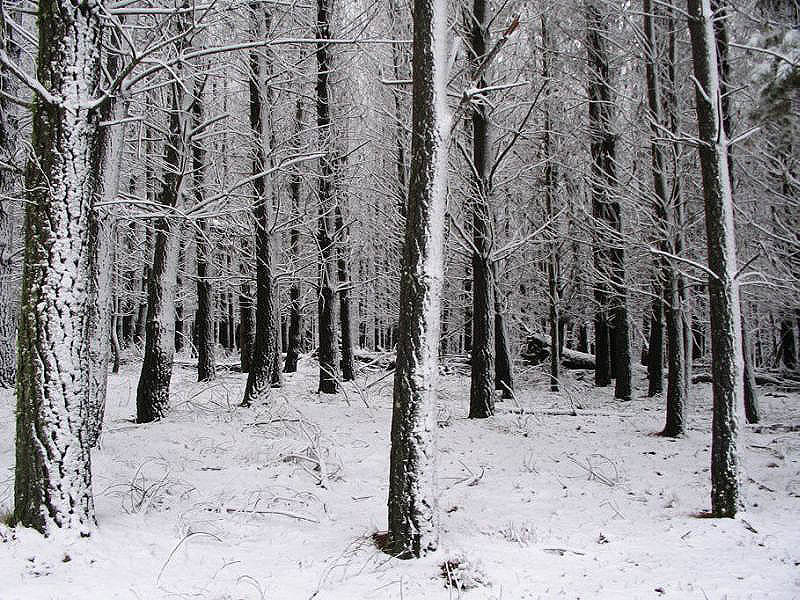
[
  {"x": 553, "y": 267},
  {"x": 413, "y": 527},
  {"x": 726, "y": 334},
  {"x": 481, "y": 397},
  {"x": 787, "y": 349},
  {"x": 751, "y": 410},
  {"x": 247, "y": 322},
  {"x": 259, "y": 378},
  {"x": 294, "y": 347},
  {"x": 204, "y": 317},
  {"x": 610, "y": 294},
  {"x": 655, "y": 348},
  {"x": 347, "y": 364},
  {"x": 327, "y": 349},
  {"x": 53, "y": 474},
  {"x": 152, "y": 393},
  {"x": 503, "y": 365},
  {"x": 179, "y": 333}
]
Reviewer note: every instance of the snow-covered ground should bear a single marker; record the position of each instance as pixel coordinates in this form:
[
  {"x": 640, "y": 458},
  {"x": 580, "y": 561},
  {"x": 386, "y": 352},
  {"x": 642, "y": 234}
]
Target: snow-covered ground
[{"x": 281, "y": 501}]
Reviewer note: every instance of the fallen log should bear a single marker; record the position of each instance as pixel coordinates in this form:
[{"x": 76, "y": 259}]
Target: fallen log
[
  {"x": 761, "y": 379},
  {"x": 537, "y": 350}
]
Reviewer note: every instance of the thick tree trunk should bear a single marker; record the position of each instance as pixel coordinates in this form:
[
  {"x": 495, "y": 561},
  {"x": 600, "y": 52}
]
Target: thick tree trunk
[
  {"x": 9, "y": 293},
  {"x": 327, "y": 350},
  {"x": 787, "y": 348},
  {"x": 413, "y": 528},
  {"x": 726, "y": 334},
  {"x": 53, "y": 474},
  {"x": 259, "y": 378},
  {"x": 481, "y": 396}
]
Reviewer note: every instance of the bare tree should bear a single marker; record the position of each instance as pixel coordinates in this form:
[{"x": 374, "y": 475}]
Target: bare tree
[{"x": 412, "y": 471}]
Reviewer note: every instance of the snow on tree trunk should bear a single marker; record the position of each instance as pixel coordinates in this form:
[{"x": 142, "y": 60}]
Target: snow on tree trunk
[
  {"x": 262, "y": 367},
  {"x": 204, "y": 316},
  {"x": 53, "y": 476},
  {"x": 611, "y": 320},
  {"x": 102, "y": 233},
  {"x": 726, "y": 335},
  {"x": 327, "y": 350},
  {"x": 295, "y": 308},
  {"x": 412, "y": 479},
  {"x": 9, "y": 293},
  {"x": 481, "y": 391},
  {"x": 152, "y": 393},
  {"x": 347, "y": 362}
]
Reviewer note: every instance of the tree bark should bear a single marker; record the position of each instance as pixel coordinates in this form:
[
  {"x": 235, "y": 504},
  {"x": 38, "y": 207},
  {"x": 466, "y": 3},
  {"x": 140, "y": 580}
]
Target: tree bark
[
  {"x": 9, "y": 293},
  {"x": 295, "y": 307},
  {"x": 347, "y": 363},
  {"x": 481, "y": 396},
  {"x": 413, "y": 527},
  {"x": 726, "y": 334},
  {"x": 327, "y": 350},
  {"x": 152, "y": 394},
  {"x": 53, "y": 475},
  {"x": 259, "y": 379},
  {"x": 204, "y": 317}
]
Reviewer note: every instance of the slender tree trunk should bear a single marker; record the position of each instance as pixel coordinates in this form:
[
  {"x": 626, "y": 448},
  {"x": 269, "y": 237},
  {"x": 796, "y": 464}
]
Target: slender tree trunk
[
  {"x": 655, "y": 347},
  {"x": 204, "y": 317},
  {"x": 247, "y": 317},
  {"x": 504, "y": 365},
  {"x": 611, "y": 320},
  {"x": 413, "y": 528},
  {"x": 553, "y": 299},
  {"x": 348, "y": 366},
  {"x": 295, "y": 308},
  {"x": 53, "y": 474},
  {"x": 481, "y": 397},
  {"x": 152, "y": 394},
  {"x": 259, "y": 379},
  {"x": 726, "y": 334},
  {"x": 327, "y": 350},
  {"x": 751, "y": 411}
]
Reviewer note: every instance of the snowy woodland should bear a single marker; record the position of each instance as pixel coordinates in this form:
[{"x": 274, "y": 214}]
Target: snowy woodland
[{"x": 406, "y": 299}]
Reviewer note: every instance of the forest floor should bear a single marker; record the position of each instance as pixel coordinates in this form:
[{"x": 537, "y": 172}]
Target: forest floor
[{"x": 281, "y": 501}]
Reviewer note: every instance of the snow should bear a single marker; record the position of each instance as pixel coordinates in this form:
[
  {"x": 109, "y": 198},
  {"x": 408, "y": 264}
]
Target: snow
[{"x": 541, "y": 505}]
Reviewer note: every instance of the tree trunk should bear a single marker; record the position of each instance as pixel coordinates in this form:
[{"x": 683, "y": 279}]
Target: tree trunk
[
  {"x": 503, "y": 365},
  {"x": 259, "y": 379},
  {"x": 53, "y": 474},
  {"x": 481, "y": 396},
  {"x": 655, "y": 347},
  {"x": 204, "y": 317},
  {"x": 347, "y": 363},
  {"x": 152, "y": 394},
  {"x": 412, "y": 472},
  {"x": 726, "y": 334},
  {"x": 247, "y": 320},
  {"x": 327, "y": 349},
  {"x": 611, "y": 320},
  {"x": 9, "y": 294},
  {"x": 751, "y": 411},
  {"x": 294, "y": 347}
]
